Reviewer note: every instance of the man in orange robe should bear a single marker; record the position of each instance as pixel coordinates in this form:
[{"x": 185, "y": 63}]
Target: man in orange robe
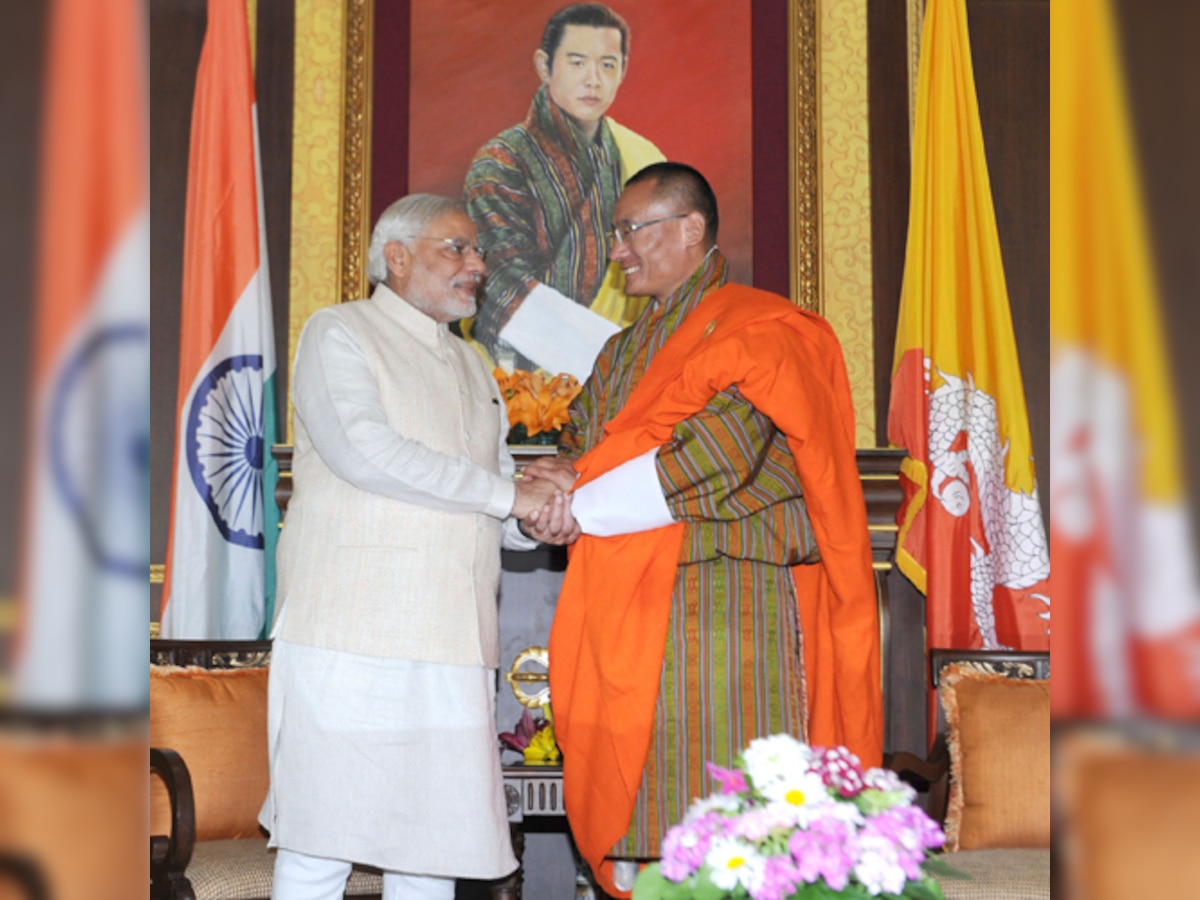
[{"x": 720, "y": 586}]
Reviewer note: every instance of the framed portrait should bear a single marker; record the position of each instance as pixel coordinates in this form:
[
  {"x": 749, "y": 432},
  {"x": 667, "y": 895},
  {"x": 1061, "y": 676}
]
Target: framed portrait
[
  {"x": 727, "y": 87},
  {"x": 394, "y": 96},
  {"x": 686, "y": 87}
]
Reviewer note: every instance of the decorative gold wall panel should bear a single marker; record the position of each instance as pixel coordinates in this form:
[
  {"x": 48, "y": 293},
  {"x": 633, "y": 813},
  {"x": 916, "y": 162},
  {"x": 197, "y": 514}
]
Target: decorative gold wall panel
[
  {"x": 914, "y": 11},
  {"x": 845, "y": 211},
  {"x": 356, "y": 148},
  {"x": 803, "y": 143},
  {"x": 316, "y": 164}
]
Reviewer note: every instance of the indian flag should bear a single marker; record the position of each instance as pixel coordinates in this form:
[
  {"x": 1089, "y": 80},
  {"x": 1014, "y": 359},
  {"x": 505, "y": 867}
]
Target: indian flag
[
  {"x": 1120, "y": 527},
  {"x": 971, "y": 532},
  {"x": 220, "y": 555},
  {"x": 81, "y": 639}
]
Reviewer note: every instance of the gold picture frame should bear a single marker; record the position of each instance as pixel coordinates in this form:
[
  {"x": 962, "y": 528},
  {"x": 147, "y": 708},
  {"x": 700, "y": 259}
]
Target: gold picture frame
[{"x": 829, "y": 171}]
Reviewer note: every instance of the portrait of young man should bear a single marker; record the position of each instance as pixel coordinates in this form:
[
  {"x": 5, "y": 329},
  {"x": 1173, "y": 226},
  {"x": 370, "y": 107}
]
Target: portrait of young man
[{"x": 596, "y": 93}]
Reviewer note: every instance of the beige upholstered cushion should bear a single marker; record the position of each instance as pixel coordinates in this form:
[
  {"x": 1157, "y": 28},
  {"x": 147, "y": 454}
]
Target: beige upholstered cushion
[
  {"x": 243, "y": 869},
  {"x": 1011, "y": 874},
  {"x": 999, "y": 741},
  {"x": 217, "y": 721}
]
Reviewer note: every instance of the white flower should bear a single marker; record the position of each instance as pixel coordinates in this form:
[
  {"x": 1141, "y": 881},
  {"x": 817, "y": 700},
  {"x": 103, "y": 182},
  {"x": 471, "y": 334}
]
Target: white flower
[
  {"x": 847, "y": 813},
  {"x": 723, "y": 803},
  {"x": 734, "y": 862},
  {"x": 797, "y": 788},
  {"x": 769, "y": 759},
  {"x": 888, "y": 782},
  {"x": 878, "y": 866}
]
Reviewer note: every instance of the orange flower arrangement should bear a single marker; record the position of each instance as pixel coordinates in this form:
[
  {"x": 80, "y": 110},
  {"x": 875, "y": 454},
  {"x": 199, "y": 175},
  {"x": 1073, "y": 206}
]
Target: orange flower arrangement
[{"x": 535, "y": 400}]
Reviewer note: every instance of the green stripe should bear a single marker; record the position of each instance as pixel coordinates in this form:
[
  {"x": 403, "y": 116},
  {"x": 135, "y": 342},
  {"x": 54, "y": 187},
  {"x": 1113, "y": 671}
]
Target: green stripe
[{"x": 270, "y": 507}]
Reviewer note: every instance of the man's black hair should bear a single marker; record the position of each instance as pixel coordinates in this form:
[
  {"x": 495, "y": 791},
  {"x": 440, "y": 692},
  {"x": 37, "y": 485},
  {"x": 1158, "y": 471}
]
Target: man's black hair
[
  {"x": 590, "y": 15},
  {"x": 687, "y": 186}
]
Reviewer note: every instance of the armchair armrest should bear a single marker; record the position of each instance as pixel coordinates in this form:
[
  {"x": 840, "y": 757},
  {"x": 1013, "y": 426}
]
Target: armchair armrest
[
  {"x": 170, "y": 854},
  {"x": 24, "y": 872}
]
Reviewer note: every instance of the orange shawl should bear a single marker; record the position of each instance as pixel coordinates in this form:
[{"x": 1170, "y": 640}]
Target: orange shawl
[{"x": 609, "y": 631}]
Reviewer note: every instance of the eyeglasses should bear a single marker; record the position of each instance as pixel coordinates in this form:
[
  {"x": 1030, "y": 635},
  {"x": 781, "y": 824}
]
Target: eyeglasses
[
  {"x": 457, "y": 247},
  {"x": 623, "y": 231}
]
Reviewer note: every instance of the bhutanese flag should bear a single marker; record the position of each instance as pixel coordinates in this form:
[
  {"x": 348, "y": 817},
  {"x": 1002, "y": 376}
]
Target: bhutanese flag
[
  {"x": 971, "y": 533},
  {"x": 1128, "y": 634},
  {"x": 83, "y": 594},
  {"x": 220, "y": 556}
]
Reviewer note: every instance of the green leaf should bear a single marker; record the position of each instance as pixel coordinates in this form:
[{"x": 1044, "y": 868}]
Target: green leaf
[
  {"x": 651, "y": 884},
  {"x": 705, "y": 889},
  {"x": 819, "y": 890},
  {"x": 925, "y": 889},
  {"x": 806, "y": 892},
  {"x": 937, "y": 865},
  {"x": 855, "y": 891}
]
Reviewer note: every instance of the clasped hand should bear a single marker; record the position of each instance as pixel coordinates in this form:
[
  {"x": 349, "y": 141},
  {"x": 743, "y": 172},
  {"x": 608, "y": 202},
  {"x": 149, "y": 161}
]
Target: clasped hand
[{"x": 544, "y": 503}]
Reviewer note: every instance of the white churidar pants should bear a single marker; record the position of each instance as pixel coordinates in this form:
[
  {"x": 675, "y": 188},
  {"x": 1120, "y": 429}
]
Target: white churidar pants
[{"x": 299, "y": 876}]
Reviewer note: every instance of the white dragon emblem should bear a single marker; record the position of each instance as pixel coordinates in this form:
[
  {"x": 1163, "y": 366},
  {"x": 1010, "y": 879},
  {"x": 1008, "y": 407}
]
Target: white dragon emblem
[{"x": 964, "y": 446}]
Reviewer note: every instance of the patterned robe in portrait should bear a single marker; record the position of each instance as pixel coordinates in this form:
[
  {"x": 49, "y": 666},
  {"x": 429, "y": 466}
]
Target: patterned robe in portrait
[{"x": 543, "y": 197}]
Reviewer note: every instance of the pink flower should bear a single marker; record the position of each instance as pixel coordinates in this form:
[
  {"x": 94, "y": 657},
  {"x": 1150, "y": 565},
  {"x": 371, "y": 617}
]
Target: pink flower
[
  {"x": 841, "y": 770},
  {"x": 686, "y": 845},
  {"x": 911, "y": 832},
  {"x": 757, "y": 823},
  {"x": 827, "y": 849},
  {"x": 879, "y": 867},
  {"x": 779, "y": 880},
  {"x": 732, "y": 781}
]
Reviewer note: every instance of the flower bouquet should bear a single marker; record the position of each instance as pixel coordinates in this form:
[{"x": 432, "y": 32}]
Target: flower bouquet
[
  {"x": 790, "y": 821},
  {"x": 537, "y": 403},
  {"x": 534, "y": 738}
]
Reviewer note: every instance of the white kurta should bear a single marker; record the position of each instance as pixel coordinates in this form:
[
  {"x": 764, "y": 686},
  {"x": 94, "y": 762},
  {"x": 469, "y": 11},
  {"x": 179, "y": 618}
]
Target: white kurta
[{"x": 387, "y": 762}]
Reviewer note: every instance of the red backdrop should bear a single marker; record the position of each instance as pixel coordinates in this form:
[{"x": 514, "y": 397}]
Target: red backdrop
[{"x": 688, "y": 89}]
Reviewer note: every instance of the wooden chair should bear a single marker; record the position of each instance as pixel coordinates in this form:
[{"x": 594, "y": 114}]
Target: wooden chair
[{"x": 181, "y": 866}]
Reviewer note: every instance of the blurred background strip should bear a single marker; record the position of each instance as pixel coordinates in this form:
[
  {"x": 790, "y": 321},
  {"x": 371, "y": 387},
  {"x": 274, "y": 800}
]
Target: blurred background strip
[
  {"x": 80, "y": 638},
  {"x": 1127, "y": 640}
]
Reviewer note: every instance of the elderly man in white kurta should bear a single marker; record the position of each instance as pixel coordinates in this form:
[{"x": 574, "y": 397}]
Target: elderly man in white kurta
[{"x": 382, "y": 690}]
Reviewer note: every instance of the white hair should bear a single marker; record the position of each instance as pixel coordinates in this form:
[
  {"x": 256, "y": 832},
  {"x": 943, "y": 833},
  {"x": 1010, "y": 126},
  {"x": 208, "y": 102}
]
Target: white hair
[{"x": 405, "y": 218}]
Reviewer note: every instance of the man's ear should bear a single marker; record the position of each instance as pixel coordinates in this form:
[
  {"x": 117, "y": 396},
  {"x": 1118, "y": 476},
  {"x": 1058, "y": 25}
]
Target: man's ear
[
  {"x": 541, "y": 62},
  {"x": 398, "y": 258},
  {"x": 693, "y": 228}
]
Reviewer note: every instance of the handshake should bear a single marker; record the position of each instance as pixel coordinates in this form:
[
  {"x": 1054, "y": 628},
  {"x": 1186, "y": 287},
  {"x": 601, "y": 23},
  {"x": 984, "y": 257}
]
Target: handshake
[{"x": 543, "y": 504}]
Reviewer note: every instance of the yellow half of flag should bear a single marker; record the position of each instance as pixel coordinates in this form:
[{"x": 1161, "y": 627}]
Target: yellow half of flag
[
  {"x": 971, "y": 532},
  {"x": 1102, "y": 280},
  {"x": 954, "y": 302}
]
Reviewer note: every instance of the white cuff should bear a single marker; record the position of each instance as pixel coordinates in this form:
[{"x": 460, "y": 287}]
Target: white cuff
[
  {"x": 513, "y": 538},
  {"x": 504, "y": 495},
  {"x": 624, "y": 500},
  {"x": 557, "y": 333}
]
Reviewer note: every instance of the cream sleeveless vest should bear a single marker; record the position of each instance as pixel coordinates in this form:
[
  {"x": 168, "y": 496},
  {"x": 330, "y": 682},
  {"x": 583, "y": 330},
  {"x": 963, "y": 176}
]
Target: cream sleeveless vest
[{"x": 363, "y": 573}]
